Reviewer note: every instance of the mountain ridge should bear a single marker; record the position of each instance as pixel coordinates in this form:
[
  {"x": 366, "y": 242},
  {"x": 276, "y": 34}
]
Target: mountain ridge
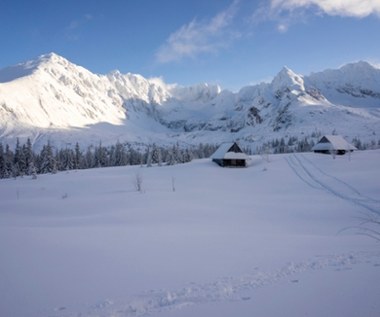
[{"x": 50, "y": 98}]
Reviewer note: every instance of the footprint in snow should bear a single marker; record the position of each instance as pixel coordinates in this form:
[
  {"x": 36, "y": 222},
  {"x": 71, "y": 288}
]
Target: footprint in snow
[{"x": 60, "y": 308}]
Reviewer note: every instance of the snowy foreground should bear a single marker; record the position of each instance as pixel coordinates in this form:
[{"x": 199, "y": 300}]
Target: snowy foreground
[{"x": 279, "y": 238}]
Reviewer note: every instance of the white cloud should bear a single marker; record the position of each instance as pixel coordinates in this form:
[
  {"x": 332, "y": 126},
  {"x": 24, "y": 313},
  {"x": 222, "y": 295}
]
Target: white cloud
[
  {"x": 288, "y": 12},
  {"x": 348, "y": 8},
  {"x": 199, "y": 37}
]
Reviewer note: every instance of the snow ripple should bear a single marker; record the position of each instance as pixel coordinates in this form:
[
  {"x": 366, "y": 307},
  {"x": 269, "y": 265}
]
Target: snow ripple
[{"x": 224, "y": 289}]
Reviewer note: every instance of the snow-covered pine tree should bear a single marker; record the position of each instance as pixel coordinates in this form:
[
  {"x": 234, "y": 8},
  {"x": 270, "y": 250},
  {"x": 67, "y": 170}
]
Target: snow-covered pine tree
[
  {"x": 156, "y": 153},
  {"x": 32, "y": 170},
  {"x": 78, "y": 157},
  {"x": 149, "y": 157},
  {"x": 29, "y": 155},
  {"x": 100, "y": 156},
  {"x": 120, "y": 157},
  {"x": 159, "y": 157},
  {"x": 170, "y": 160},
  {"x": 19, "y": 161},
  {"x": 66, "y": 159},
  {"x": 48, "y": 162},
  {"x": 8, "y": 158}
]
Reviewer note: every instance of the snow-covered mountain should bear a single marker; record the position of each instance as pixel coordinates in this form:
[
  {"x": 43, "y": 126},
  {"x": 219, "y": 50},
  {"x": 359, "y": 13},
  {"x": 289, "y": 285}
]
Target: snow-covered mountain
[{"x": 52, "y": 99}]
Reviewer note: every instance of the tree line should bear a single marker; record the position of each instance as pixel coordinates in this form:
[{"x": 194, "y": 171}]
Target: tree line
[
  {"x": 305, "y": 144},
  {"x": 22, "y": 160}
]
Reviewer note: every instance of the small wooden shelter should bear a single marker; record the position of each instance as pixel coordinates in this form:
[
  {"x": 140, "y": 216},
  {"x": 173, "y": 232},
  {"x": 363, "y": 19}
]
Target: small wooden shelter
[
  {"x": 230, "y": 155},
  {"x": 333, "y": 144}
]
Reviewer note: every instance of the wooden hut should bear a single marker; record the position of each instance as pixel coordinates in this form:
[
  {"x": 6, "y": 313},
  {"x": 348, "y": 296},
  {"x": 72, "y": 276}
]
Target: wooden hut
[
  {"x": 333, "y": 144},
  {"x": 230, "y": 155}
]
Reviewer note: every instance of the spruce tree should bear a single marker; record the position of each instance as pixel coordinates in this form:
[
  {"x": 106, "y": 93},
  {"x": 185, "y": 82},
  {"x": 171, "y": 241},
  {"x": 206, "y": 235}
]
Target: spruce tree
[
  {"x": 149, "y": 158},
  {"x": 29, "y": 155},
  {"x": 47, "y": 160},
  {"x": 19, "y": 161},
  {"x": 8, "y": 156},
  {"x": 77, "y": 157}
]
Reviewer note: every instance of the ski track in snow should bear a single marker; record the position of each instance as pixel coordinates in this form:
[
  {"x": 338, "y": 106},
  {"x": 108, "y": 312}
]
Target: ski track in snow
[
  {"x": 316, "y": 178},
  {"x": 224, "y": 289},
  {"x": 340, "y": 181}
]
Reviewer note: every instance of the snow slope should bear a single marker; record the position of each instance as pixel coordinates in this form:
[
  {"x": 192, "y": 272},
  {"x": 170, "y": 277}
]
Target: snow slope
[
  {"x": 53, "y": 99},
  {"x": 199, "y": 240},
  {"x": 355, "y": 84}
]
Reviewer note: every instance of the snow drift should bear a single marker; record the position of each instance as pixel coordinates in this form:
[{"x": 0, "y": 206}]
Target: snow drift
[{"x": 196, "y": 240}]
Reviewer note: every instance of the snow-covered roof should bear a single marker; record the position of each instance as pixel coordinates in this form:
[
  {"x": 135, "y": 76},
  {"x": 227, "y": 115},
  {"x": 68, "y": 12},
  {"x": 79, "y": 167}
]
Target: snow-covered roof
[
  {"x": 235, "y": 156},
  {"x": 333, "y": 142},
  {"x": 223, "y": 152}
]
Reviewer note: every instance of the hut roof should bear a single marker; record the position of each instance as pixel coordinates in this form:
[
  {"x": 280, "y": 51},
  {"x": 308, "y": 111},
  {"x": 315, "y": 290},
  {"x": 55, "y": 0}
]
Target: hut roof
[
  {"x": 333, "y": 142},
  {"x": 228, "y": 151}
]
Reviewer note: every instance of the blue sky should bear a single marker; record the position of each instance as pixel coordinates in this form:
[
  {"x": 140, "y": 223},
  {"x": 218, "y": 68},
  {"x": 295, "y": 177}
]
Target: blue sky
[{"x": 232, "y": 43}]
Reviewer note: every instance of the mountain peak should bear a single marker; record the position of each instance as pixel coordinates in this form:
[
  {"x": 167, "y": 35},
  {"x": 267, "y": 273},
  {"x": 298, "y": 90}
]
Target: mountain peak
[
  {"x": 28, "y": 68},
  {"x": 360, "y": 66},
  {"x": 51, "y": 57},
  {"x": 52, "y": 60},
  {"x": 286, "y": 70},
  {"x": 287, "y": 78},
  {"x": 355, "y": 75}
]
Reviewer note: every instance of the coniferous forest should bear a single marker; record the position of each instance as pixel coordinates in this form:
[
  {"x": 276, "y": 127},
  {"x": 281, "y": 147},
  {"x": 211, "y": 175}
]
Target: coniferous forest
[{"x": 22, "y": 160}]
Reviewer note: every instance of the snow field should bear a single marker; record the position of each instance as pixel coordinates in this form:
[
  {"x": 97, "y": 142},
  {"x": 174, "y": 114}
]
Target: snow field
[{"x": 226, "y": 242}]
